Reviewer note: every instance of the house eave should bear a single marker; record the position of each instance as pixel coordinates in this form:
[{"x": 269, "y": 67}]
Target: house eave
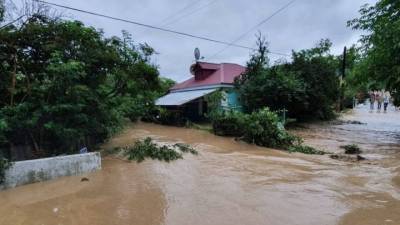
[{"x": 203, "y": 87}]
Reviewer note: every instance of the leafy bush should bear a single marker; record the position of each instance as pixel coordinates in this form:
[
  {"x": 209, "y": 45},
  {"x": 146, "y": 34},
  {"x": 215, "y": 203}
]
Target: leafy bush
[
  {"x": 351, "y": 149},
  {"x": 148, "y": 149},
  {"x": 185, "y": 148},
  {"x": 4, "y": 165},
  {"x": 305, "y": 150},
  {"x": 263, "y": 128},
  {"x": 228, "y": 123}
]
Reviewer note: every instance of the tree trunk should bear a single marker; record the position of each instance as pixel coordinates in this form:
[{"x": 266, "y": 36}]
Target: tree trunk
[
  {"x": 37, "y": 153},
  {"x": 13, "y": 79}
]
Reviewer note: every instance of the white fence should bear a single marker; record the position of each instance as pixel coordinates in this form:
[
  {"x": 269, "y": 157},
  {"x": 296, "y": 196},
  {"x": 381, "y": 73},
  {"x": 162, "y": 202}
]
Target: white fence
[{"x": 31, "y": 171}]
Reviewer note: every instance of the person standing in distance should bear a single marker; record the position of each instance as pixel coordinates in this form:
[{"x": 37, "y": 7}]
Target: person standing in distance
[
  {"x": 371, "y": 100},
  {"x": 386, "y": 100}
]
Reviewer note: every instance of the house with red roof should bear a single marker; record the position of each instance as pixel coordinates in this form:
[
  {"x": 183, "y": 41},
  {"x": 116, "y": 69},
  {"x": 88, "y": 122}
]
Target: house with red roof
[{"x": 189, "y": 96}]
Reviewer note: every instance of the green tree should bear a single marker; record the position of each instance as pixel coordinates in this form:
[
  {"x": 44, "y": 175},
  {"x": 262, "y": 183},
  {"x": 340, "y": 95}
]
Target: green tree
[
  {"x": 381, "y": 44},
  {"x": 357, "y": 81},
  {"x": 65, "y": 86},
  {"x": 262, "y": 85},
  {"x": 307, "y": 87},
  {"x": 318, "y": 70},
  {"x": 2, "y": 10}
]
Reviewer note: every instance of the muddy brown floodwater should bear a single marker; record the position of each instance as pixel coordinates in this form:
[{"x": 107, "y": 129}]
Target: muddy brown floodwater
[{"x": 229, "y": 182}]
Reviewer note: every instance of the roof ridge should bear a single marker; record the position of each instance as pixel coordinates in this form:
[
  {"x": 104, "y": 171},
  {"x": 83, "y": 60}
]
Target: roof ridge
[
  {"x": 237, "y": 64},
  {"x": 209, "y": 62}
]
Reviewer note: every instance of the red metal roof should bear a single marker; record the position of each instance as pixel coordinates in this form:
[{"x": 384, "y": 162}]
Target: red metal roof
[{"x": 223, "y": 73}]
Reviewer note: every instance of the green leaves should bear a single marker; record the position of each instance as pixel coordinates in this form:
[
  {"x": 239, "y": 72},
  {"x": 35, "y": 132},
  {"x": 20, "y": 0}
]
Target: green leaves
[
  {"x": 261, "y": 127},
  {"x": 307, "y": 87},
  {"x": 74, "y": 87},
  {"x": 381, "y": 46},
  {"x": 2, "y": 10},
  {"x": 5, "y": 164},
  {"x": 305, "y": 150},
  {"x": 148, "y": 149}
]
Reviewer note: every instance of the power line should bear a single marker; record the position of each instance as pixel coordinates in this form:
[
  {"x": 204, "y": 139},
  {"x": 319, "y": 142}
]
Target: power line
[
  {"x": 167, "y": 23},
  {"x": 8, "y": 24},
  {"x": 191, "y": 12},
  {"x": 171, "y": 16},
  {"x": 149, "y": 26},
  {"x": 144, "y": 25},
  {"x": 254, "y": 27}
]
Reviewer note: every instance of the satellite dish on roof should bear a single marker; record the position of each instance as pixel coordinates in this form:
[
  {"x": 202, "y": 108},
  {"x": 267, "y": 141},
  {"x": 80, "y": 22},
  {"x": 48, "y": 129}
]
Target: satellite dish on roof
[{"x": 197, "y": 54}]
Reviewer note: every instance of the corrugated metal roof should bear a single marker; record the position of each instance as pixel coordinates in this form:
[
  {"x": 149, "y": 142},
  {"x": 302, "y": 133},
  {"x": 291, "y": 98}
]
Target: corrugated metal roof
[{"x": 180, "y": 98}]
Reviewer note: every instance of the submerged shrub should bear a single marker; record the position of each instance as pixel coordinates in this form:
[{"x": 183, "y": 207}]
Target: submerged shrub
[
  {"x": 185, "y": 148},
  {"x": 263, "y": 128},
  {"x": 5, "y": 164},
  {"x": 148, "y": 149},
  {"x": 351, "y": 149},
  {"x": 305, "y": 150},
  {"x": 228, "y": 123}
]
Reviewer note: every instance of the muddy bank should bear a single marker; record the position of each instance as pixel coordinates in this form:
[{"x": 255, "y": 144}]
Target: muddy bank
[{"x": 229, "y": 182}]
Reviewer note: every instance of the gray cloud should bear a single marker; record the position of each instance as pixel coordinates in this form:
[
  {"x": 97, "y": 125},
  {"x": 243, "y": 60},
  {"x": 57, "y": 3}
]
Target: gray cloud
[{"x": 297, "y": 27}]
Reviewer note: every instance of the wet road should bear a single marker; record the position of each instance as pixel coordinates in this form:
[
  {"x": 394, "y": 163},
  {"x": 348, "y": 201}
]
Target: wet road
[{"x": 229, "y": 182}]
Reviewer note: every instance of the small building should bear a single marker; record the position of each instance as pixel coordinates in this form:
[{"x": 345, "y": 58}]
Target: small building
[{"x": 189, "y": 97}]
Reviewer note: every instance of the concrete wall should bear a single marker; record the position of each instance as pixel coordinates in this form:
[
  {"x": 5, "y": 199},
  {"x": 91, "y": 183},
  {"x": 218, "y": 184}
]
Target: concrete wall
[{"x": 31, "y": 171}]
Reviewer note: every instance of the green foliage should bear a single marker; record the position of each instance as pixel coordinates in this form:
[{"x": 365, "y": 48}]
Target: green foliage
[
  {"x": 307, "y": 87},
  {"x": 3, "y": 130},
  {"x": 351, "y": 149},
  {"x": 275, "y": 87},
  {"x": 2, "y": 10},
  {"x": 165, "y": 85},
  {"x": 146, "y": 109},
  {"x": 228, "y": 123},
  {"x": 381, "y": 45},
  {"x": 73, "y": 87},
  {"x": 185, "y": 148},
  {"x": 148, "y": 149},
  {"x": 263, "y": 128},
  {"x": 305, "y": 150},
  {"x": 357, "y": 82},
  {"x": 5, "y": 164},
  {"x": 214, "y": 103},
  {"x": 317, "y": 68}
]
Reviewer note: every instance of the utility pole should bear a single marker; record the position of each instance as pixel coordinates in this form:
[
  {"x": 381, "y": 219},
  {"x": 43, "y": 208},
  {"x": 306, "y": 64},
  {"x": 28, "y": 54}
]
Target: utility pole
[
  {"x": 342, "y": 75},
  {"x": 344, "y": 62}
]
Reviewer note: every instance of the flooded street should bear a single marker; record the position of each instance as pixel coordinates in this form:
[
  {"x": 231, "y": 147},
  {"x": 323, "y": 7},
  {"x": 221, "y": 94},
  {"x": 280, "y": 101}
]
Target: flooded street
[{"x": 229, "y": 182}]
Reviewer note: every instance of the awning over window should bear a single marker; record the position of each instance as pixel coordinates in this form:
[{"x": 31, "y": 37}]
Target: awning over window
[{"x": 180, "y": 98}]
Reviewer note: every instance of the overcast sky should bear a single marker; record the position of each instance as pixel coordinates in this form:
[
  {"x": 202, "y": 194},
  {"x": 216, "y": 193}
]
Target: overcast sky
[{"x": 299, "y": 26}]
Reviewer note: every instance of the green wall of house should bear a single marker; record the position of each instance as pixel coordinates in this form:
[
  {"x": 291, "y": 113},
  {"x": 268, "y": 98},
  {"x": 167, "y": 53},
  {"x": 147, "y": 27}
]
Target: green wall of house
[{"x": 231, "y": 100}]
